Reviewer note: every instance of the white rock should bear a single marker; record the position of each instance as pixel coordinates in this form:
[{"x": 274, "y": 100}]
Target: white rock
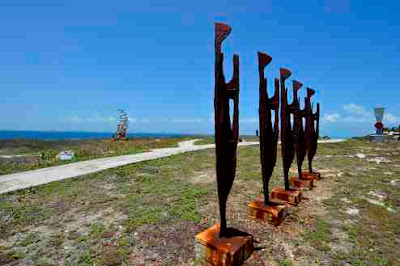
[
  {"x": 346, "y": 200},
  {"x": 394, "y": 182},
  {"x": 361, "y": 156},
  {"x": 353, "y": 211},
  {"x": 379, "y": 160}
]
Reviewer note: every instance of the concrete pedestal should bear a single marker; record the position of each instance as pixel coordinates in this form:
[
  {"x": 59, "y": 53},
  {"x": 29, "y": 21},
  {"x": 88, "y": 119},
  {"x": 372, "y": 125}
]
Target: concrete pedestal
[
  {"x": 223, "y": 251},
  {"x": 303, "y": 184},
  {"x": 274, "y": 213},
  {"x": 290, "y": 196}
]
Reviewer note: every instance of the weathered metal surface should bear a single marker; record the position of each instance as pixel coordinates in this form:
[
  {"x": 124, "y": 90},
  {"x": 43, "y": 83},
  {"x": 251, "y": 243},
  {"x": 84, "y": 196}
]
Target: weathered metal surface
[
  {"x": 290, "y": 196},
  {"x": 286, "y": 128},
  {"x": 223, "y": 251},
  {"x": 312, "y": 128},
  {"x": 268, "y": 133},
  {"x": 298, "y": 132},
  {"x": 314, "y": 176},
  {"x": 275, "y": 213},
  {"x": 226, "y": 131}
]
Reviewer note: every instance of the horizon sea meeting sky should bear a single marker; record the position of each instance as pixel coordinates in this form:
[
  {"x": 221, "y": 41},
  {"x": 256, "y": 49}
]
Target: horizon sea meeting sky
[{"x": 69, "y": 65}]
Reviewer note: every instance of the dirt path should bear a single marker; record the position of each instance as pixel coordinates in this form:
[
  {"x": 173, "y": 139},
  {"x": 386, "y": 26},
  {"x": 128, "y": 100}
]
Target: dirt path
[{"x": 38, "y": 177}]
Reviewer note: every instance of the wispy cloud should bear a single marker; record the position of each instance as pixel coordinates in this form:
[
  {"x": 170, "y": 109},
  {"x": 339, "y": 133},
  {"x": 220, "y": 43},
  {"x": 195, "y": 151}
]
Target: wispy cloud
[
  {"x": 90, "y": 119},
  {"x": 331, "y": 118},
  {"x": 353, "y": 108},
  {"x": 185, "y": 120},
  {"x": 354, "y": 113},
  {"x": 392, "y": 119}
]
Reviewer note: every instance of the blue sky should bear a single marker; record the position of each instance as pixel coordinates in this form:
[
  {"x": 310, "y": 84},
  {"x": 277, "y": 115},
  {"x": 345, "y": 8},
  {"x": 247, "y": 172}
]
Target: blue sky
[{"x": 69, "y": 65}]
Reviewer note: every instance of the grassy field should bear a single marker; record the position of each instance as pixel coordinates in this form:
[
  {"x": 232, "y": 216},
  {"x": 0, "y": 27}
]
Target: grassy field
[
  {"x": 42, "y": 153},
  {"x": 149, "y": 213}
]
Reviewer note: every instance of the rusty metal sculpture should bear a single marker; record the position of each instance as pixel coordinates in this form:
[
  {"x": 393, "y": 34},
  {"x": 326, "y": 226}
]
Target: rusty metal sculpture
[
  {"x": 298, "y": 132},
  {"x": 226, "y": 131},
  {"x": 268, "y": 133},
  {"x": 312, "y": 128},
  {"x": 286, "y": 128}
]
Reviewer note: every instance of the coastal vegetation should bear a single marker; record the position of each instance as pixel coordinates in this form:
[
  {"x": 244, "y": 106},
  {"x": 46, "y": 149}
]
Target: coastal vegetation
[{"x": 18, "y": 155}]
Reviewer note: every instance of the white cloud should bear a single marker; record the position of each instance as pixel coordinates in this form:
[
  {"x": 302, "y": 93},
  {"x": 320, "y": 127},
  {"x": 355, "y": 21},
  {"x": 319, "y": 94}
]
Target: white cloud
[
  {"x": 357, "y": 114},
  {"x": 212, "y": 118},
  {"x": 185, "y": 120},
  {"x": 357, "y": 119},
  {"x": 100, "y": 119},
  {"x": 353, "y": 108},
  {"x": 331, "y": 118},
  {"x": 91, "y": 119},
  {"x": 391, "y": 119}
]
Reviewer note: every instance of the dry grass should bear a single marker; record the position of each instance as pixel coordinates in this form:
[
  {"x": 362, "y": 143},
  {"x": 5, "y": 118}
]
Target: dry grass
[{"x": 149, "y": 213}]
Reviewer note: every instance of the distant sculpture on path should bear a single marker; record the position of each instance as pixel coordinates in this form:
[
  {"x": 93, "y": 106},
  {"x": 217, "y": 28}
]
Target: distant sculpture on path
[
  {"x": 312, "y": 128},
  {"x": 286, "y": 128},
  {"x": 268, "y": 133},
  {"x": 226, "y": 130},
  {"x": 122, "y": 126}
]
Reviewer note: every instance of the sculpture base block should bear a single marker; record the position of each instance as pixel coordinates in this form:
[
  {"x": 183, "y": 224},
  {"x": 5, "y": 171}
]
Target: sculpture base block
[
  {"x": 303, "y": 184},
  {"x": 274, "y": 213},
  {"x": 290, "y": 196},
  {"x": 314, "y": 175},
  {"x": 223, "y": 251}
]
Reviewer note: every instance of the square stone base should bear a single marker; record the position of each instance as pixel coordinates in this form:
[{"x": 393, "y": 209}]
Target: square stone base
[
  {"x": 303, "y": 184},
  {"x": 290, "y": 196},
  {"x": 274, "y": 213},
  {"x": 224, "y": 251},
  {"x": 314, "y": 175}
]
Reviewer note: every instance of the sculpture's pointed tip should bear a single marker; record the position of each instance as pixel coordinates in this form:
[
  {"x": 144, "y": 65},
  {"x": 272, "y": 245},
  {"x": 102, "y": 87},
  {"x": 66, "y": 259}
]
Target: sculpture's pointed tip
[
  {"x": 297, "y": 84},
  {"x": 222, "y": 30},
  {"x": 263, "y": 59},
  {"x": 285, "y": 73},
  {"x": 310, "y": 91}
]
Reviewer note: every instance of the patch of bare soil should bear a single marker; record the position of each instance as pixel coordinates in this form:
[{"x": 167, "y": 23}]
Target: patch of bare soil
[{"x": 204, "y": 177}]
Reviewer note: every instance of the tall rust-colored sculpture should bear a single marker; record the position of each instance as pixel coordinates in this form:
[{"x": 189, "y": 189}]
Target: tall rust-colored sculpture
[
  {"x": 289, "y": 136},
  {"x": 226, "y": 131},
  {"x": 219, "y": 245},
  {"x": 312, "y": 129},
  {"x": 268, "y": 133},
  {"x": 298, "y": 132},
  {"x": 268, "y": 209},
  {"x": 286, "y": 128}
]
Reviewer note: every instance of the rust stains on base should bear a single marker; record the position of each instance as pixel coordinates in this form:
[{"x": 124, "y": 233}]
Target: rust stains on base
[
  {"x": 275, "y": 213},
  {"x": 223, "y": 251},
  {"x": 290, "y": 196},
  {"x": 314, "y": 175},
  {"x": 304, "y": 184}
]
